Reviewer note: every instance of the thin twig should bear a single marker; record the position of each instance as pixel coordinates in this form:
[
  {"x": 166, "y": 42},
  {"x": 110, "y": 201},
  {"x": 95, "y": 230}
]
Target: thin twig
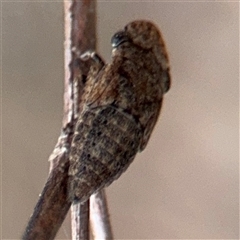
[
  {"x": 53, "y": 203},
  {"x": 80, "y": 37},
  {"x": 80, "y": 225},
  {"x": 99, "y": 216},
  {"x": 81, "y": 29}
]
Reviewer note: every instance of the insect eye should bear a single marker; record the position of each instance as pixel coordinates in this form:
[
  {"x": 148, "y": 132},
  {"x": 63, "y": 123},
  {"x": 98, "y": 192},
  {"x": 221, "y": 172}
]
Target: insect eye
[
  {"x": 166, "y": 81},
  {"x": 119, "y": 38}
]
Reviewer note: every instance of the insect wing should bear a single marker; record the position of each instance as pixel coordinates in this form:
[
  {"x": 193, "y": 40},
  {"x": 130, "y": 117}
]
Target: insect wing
[{"x": 105, "y": 142}]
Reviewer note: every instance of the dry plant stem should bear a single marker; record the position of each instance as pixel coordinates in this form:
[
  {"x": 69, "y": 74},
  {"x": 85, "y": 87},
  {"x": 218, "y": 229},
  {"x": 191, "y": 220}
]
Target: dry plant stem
[
  {"x": 81, "y": 231},
  {"x": 53, "y": 204},
  {"x": 80, "y": 36},
  {"x": 79, "y": 28},
  {"x": 99, "y": 216}
]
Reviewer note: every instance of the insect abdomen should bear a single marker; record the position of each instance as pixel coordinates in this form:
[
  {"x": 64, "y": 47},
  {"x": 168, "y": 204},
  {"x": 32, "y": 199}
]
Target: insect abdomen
[{"x": 105, "y": 141}]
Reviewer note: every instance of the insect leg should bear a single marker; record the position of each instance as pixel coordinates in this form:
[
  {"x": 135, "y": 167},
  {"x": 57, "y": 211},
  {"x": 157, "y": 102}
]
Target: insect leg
[
  {"x": 95, "y": 59},
  {"x": 88, "y": 66}
]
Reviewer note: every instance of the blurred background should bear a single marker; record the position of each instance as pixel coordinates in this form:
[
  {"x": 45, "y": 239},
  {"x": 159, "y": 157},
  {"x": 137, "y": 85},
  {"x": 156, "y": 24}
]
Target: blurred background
[{"x": 185, "y": 184}]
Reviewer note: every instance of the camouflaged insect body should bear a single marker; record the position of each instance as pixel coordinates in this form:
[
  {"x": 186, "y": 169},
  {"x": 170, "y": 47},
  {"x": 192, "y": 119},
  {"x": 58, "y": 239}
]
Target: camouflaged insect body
[{"x": 122, "y": 101}]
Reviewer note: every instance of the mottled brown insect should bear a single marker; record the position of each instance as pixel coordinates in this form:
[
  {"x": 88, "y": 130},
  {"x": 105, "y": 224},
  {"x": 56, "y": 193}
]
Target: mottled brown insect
[{"x": 122, "y": 101}]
